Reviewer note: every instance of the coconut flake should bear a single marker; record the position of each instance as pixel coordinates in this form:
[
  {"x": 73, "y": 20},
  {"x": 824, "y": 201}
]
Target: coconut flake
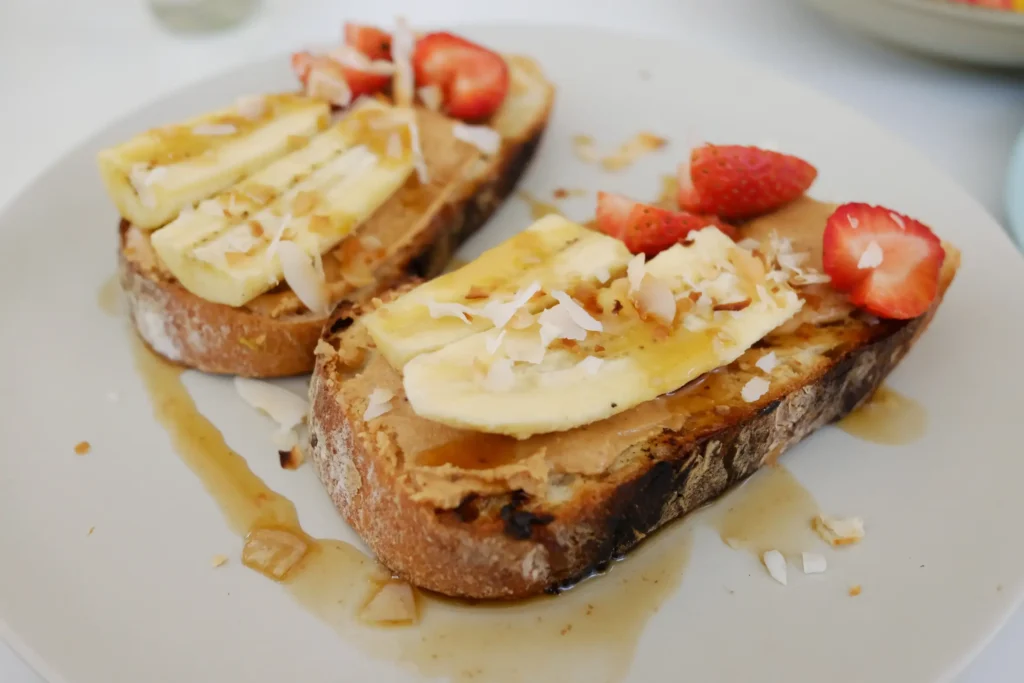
[
  {"x": 284, "y": 439},
  {"x": 251, "y": 106},
  {"x": 214, "y": 129},
  {"x": 525, "y": 348},
  {"x": 499, "y": 376},
  {"x": 330, "y": 87},
  {"x": 278, "y": 234},
  {"x": 635, "y": 272},
  {"x": 500, "y": 313},
  {"x": 755, "y": 388},
  {"x": 431, "y": 97},
  {"x": 394, "y": 149},
  {"x": 578, "y": 314},
  {"x": 557, "y": 323},
  {"x": 346, "y": 55},
  {"x": 767, "y": 362},
  {"x": 655, "y": 299},
  {"x": 590, "y": 364},
  {"x": 602, "y": 275},
  {"x": 301, "y": 275},
  {"x": 283, "y": 407},
  {"x": 402, "y": 44},
  {"x": 872, "y": 256},
  {"x": 695, "y": 323},
  {"x": 749, "y": 243},
  {"x": 813, "y": 563},
  {"x": 442, "y": 309},
  {"x": 379, "y": 403},
  {"x": 775, "y": 563},
  {"x": 493, "y": 342},
  {"x": 839, "y": 530},
  {"x": 484, "y": 138}
]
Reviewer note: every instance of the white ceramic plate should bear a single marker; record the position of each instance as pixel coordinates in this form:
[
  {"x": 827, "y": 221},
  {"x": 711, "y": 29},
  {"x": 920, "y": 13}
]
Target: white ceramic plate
[
  {"x": 941, "y": 567},
  {"x": 937, "y": 27}
]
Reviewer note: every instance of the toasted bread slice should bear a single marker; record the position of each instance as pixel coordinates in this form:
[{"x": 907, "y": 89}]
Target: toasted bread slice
[
  {"x": 416, "y": 230},
  {"x": 463, "y": 524}
]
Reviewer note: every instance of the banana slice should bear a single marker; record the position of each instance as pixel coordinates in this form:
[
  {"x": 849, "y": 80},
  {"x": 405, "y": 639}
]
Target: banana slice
[
  {"x": 554, "y": 253},
  {"x": 225, "y": 250},
  {"x": 609, "y": 356},
  {"x": 153, "y": 176}
]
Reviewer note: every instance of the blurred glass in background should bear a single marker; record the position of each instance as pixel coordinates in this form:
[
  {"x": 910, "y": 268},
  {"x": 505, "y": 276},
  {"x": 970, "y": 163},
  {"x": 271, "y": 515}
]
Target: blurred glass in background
[{"x": 197, "y": 16}]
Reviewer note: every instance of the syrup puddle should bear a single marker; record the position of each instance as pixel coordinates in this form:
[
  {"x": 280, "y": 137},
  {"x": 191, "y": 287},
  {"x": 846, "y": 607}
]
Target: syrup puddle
[
  {"x": 109, "y": 296},
  {"x": 888, "y": 418},
  {"x": 770, "y": 511},
  {"x": 538, "y": 208},
  {"x": 588, "y": 633}
]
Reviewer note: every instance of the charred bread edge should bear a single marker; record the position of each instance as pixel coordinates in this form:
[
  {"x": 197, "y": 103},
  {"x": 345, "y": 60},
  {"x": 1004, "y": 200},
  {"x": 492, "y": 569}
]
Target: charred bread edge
[
  {"x": 523, "y": 554},
  {"x": 217, "y": 339}
]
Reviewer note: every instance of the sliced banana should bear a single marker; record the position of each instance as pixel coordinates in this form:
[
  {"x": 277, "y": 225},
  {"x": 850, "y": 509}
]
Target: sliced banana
[
  {"x": 155, "y": 175},
  {"x": 553, "y": 253},
  {"x": 622, "y": 358},
  {"x": 225, "y": 250}
]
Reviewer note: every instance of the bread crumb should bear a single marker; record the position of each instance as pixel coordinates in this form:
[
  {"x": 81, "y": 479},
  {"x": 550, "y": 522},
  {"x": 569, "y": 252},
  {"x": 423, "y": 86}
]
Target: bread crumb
[
  {"x": 91, "y": 529},
  {"x": 854, "y": 591},
  {"x": 219, "y": 561},
  {"x": 83, "y": 447}
]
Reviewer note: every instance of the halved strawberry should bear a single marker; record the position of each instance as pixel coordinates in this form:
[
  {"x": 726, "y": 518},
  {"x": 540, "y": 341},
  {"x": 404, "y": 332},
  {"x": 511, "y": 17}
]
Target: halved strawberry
[
  {"x": 370, "y": 40},
  {"x": 737, "y": 182},
  {"x": 472, "y": 79},
  {"x": 646, "y": 228},
  {"x": 889, "y": 263}
]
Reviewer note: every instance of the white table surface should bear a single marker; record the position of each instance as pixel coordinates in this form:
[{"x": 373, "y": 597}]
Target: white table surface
[{"x": 67, "y": 67}]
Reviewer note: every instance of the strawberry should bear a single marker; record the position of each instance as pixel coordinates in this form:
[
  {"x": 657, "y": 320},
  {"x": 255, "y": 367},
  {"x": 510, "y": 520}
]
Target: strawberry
[
  {"x": 302, "y": 64},
  {"x": 473, "y": 80},
  {"x": 646, "y": 228},
  {"x": 369, "y": 40},
  {"x": 887, "y": 262},
  {"x": 737, "y": 182}
]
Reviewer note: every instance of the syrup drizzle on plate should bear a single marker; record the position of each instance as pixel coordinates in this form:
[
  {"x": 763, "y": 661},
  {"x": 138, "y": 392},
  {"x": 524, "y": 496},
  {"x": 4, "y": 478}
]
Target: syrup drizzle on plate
[
  {"x": 589, "y": 631},
  {"x": 887, "y": 417}
]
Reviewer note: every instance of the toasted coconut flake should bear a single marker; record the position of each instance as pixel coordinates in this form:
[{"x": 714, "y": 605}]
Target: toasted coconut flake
[
  {"x": 591, "y": 364},
  {"x": 755, "y": 388},
  {"x": 281, "y": 405},
  {"x": 214, "y": 129},
  {"x": 585, "y": 149},
  {"x": 301, "y": 275},
  {"x": 292, "y": 458},
  {"x": 809, "y": 278},
  {"x": 813, "y": 563},
  {"x": 737, "y": 305},
  {"x": 635, "y": 272},
  {"x": 500, "y": 313},
  {"x": 442, "y": 309},
  {"x": 379, "y": 403},
  {"x": 329, "y": 87},
  {"x": 522, "y": 320},
  {"x": 525, "y": 348},
  {"x": 871, "y": 257},
  {"x": 839, "y": 530},
  {"x": 557, "y": 323},
  {"x": 484, "y": 138},
  {"x": 219, "y": 561},
  {"x": 346, "y": 55},
  {"x": 631, "y": 150},
  {"x": 394, "y": 603},
  {"x": 273, "y": 552},
  {"x": 579, "y": 314},
  {"x": 431, "y": 97},
  {"x": 775, "y": 563},
  {"x": 493, "y": 342},
  {"x": 499, "y": 376},
  {"x": 251, "y": 107},
  {"x": 654, "y": 299},
  {"x": 767, "y": 362}
]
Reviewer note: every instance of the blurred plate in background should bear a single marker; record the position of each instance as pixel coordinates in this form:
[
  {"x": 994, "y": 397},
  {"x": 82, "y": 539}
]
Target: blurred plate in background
[{"x": 936, "y": 27}]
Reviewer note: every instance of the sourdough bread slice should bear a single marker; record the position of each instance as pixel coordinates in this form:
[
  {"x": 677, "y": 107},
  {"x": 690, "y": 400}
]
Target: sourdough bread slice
[
  {"x": 416, "y": 230},
  {"x": 479, "y": 523}
]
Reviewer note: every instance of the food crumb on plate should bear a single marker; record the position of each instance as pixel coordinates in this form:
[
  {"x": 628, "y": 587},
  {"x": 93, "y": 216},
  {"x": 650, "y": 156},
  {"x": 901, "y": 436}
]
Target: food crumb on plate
[
  {"x": 854, "y": 591},
  {"x": 83, "y": 447},
  {"x": 219, "y": 560}
]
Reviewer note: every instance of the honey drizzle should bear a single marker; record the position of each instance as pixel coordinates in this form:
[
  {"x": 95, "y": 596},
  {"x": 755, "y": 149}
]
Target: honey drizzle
[
  {"x": 538, "y": 208},
  {"x": 591, "y": 630},
  {"x": 887, "y": 417},
  {"x": 770, "y": 511}
]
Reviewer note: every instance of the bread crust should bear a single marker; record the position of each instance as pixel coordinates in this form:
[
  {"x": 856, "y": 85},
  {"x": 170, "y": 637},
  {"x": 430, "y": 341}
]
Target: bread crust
[
  {"x": 220, "y": 339},
  {"x": 671, "y": 474}
]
